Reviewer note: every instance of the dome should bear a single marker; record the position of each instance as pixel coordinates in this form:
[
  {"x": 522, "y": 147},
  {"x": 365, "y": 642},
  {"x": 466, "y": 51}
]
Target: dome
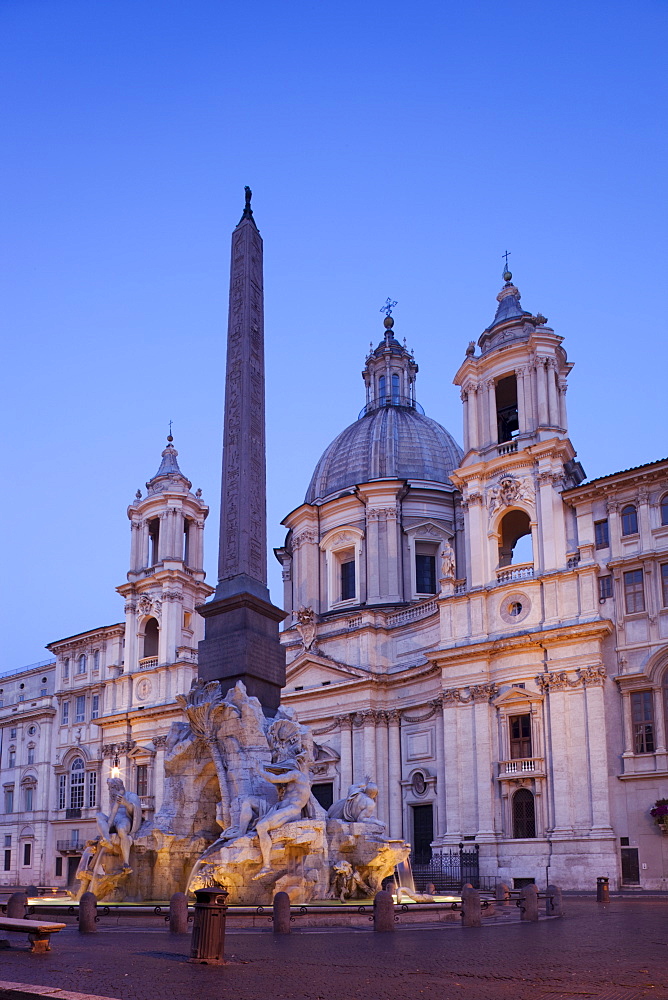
[{"x": 390, "y": 442}]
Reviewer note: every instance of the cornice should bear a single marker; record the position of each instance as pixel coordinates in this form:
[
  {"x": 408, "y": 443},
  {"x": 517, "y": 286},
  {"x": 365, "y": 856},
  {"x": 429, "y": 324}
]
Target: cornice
[{"x": 554, "y": 637}]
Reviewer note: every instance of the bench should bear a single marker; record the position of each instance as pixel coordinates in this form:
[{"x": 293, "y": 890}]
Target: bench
[{"x": 38, "y": 931}]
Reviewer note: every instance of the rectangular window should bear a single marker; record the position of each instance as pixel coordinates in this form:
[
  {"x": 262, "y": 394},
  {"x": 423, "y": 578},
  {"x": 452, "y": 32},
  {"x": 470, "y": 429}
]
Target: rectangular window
[
  {"x": 95, "y": 709},
  {"x": 634, "y": 592},
  {"x": 62, "y": 791},
  {"x": 642, "y": 716},
  {"x": 12, "y": 758},
  {"x": 9, "y": 800},
  {"x": 80, "y": 708},
  {"x": 27, "y": 854},
  {"x": 12, "y": 734},
  {"x": 425, "y": 574},
  {"x": 601, "y": 534},
  {"x": 347, "y": 580},
  {"x": 59, "y": 866},
  {"x": 142, "y": 779},
  {"x": 31, "y": 755},
  {"x": 604, "y": 588},
  {"x": 66, "y": 668},
  {"x": 520, "y": 736},
  {"x": 96, "y": 660},
  {"x": 8, "y": 861},
  {"x": 92, "y": 789},
  {"x": 8, "y": 840},
  {"x": 27, "y": 799},
  {"x": 65, "y": 713},
  {"x": 664, "y": 585}
]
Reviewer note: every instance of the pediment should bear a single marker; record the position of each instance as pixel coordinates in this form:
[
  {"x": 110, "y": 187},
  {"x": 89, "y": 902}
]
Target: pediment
[
  {"x": 516, "y": 696},
  {"x": 311, "y": 670},
  {"x": 428, "y": 529}
]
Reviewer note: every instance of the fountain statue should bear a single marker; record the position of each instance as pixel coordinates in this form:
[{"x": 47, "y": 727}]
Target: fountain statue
[{"x": 239, "y": 812}]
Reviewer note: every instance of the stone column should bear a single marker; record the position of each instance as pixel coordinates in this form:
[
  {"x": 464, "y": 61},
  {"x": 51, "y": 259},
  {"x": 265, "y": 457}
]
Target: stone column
[
  {"x": 463, "y": 395},
  {"x": 474, "y": 432},
  {"x": 135, "y": 546},
  {"x": 451, "y": 765},
  {"x": 598, "y": 757},
  {"x": 483, "y": 751},
  {"x": 394, "y": 582},
  {"x": 346, "y": 762},
  {"x": 563, "y": 418},
  {"x": 493, "y": 429},
  {"x": 558, "y": 764},
  {"x": 521, "y": 406},
  {"x": 382, "y": 776},
  {"x": 441, "y": 825},
  {"x": 372, "y": 551},
  {"x": 394, "y": 767},
  {"x": 553, "y": 402},
  {"x": 369, "y": 743},
  {"x": 542, "y": 392}
]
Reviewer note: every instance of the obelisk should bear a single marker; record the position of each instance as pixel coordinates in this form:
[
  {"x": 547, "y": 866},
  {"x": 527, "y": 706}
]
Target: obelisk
[{"x": 241, "y": 632}]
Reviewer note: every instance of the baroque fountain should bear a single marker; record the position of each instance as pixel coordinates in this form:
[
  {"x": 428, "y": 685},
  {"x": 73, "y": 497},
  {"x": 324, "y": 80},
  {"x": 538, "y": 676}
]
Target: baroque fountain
[{"x": 239, "y": 812}]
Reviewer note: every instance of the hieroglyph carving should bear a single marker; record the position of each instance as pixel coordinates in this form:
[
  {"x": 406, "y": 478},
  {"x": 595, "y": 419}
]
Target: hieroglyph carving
[{"x": 243, "y": 514}]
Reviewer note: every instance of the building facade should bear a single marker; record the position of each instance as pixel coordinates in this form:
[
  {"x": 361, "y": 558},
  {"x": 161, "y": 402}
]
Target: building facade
[{"x": 479, "y": 629}]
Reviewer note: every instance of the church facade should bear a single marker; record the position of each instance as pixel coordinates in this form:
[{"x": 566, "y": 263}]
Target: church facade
[{"x": 479, "y": 629}]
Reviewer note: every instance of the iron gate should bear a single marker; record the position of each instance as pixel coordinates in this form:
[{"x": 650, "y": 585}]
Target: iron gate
[{"x": 448, "y": 872}]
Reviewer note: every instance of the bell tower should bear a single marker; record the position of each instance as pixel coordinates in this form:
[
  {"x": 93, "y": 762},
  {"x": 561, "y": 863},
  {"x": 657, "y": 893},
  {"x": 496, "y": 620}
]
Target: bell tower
[
  {"x": 517, "y": 454},
  {"x": 166, "y": 576}
]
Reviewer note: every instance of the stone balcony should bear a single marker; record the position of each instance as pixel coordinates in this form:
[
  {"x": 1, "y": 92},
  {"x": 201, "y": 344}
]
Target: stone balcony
[
  {"x": 148, "y": 662},
  {"x": 523, "y": 767},
  {"x": 510, "y": 574}
]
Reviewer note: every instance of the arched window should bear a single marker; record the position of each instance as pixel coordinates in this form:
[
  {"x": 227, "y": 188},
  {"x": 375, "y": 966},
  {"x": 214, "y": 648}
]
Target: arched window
[
  {"x": 629, "y": 520},
  {"x": 515, "y": 544},
  {"x": 151, "y": 637},
  {"x": 395, "y": 388},
  {"x": 77, "y": 780},
  {"x": 665, "y": 699},
  {"x": 381, "y": 389},
  {"x": 96, "y": 660},
  {"x": 664, "y": 509},
  {"x": 66, "y": 668},
  {"x": 81, "y": 664},
  {"x": 524, "y": 815}
]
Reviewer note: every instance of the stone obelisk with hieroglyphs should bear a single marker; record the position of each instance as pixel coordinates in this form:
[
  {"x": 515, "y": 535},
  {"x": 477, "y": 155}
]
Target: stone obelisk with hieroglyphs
[{"x": 241, "y": 633}]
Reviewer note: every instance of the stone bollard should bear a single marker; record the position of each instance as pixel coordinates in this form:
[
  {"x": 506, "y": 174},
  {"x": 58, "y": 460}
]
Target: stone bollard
[
  {"x": 602, "y": 889},
  {"x": 502, "y": 892},
  {"x": 431, "y": 889},
  {"x": 383, "y": 911},
  {"x": 554, "y": 904},
  {"x": 471, "y": 911},
  {"x": 17, "y": 905},
  {"x": 178, "y": 913},
  {"x": 529, "y": 903},
  {"x": 281, "y": 915},
  {"x": 87, "y": 913}
]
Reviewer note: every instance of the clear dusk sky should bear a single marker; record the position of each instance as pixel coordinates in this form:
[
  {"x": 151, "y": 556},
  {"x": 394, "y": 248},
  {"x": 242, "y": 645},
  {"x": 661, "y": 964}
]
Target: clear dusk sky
[{"x": 394, "y": 149}]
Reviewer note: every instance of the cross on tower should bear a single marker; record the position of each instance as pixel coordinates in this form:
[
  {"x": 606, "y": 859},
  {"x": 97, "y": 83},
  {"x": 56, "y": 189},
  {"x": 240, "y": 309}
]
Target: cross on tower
[
  {"x": 506, "y": 255},
  {"x": 388, "y": 307}
]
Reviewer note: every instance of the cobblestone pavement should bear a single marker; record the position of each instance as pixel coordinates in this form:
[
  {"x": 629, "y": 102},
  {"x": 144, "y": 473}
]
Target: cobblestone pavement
[{"x": 617, "y": 951}]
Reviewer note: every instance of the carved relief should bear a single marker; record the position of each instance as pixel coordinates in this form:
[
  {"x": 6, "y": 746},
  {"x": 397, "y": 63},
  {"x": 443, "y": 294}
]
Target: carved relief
[
  {"x": 509, "y": 491},
  {"x": 306, "y": 626}
]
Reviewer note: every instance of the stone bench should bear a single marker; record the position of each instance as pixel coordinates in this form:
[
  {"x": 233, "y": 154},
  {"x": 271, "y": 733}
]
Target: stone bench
[{"x": 39, "y": 931}]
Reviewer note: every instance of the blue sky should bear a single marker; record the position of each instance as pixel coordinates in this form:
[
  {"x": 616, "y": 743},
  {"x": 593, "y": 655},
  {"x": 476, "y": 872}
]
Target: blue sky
[{"x": 393, "y": 149}]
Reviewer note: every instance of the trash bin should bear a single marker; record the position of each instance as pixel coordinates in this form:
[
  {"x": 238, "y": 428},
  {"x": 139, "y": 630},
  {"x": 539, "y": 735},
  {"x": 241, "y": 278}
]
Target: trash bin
[
  {"x": 602, "y": 890},
  {"x": 208, "y": 938}
]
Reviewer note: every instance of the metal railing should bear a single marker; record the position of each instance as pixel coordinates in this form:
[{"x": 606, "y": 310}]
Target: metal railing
[
  {"x": 69, "y": 845},
  {"x": 392, "y": 400},
  {"x": 448, "y": 871}
]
